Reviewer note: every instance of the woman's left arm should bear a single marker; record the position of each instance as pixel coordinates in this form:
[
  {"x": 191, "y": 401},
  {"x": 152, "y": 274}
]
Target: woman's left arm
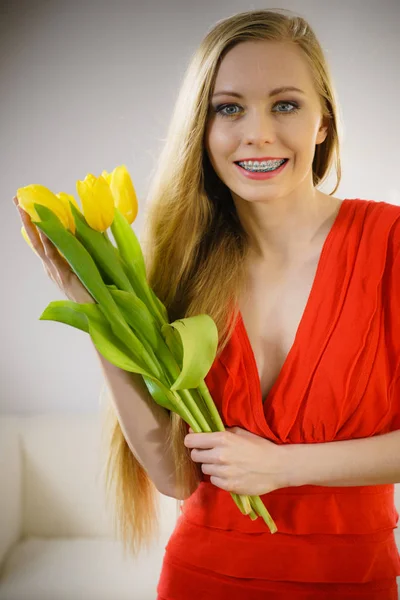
[
  {"x": 242, "y": 462},
  {"x": 365, "y": 461}
]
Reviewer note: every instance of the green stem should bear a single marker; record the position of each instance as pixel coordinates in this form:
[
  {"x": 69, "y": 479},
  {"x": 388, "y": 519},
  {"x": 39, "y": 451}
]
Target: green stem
[
  {"x": 181, "y": 409},
  {"x": 200, "y": 403},
  {"x": 259, "y": 507},
  {"x": 209, "y": 402},
  {"x": 240, "y": 501}
]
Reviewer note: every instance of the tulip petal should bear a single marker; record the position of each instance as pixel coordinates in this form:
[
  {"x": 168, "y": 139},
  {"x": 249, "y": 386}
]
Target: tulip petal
[
  {"x": 39, "y": 194},
  {"x": 107, "y": 176},
  {"x": 66, "y": 199},
  {"x": 124, "y": 193},
  {"x": 97, "y": 202},
  {"x": 103, "y": 196}
]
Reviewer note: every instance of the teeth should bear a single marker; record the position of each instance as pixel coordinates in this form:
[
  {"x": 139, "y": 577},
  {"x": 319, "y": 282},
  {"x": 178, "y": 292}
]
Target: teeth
[{"x": 265, "y": 165}]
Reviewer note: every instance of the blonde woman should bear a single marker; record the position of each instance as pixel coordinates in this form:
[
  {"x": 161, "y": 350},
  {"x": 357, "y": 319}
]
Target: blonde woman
[{"x": 304, "y": 288}]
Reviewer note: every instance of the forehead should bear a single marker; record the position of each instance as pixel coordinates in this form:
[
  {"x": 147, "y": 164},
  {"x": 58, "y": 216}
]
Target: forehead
[{"x": 258, "y": 66}]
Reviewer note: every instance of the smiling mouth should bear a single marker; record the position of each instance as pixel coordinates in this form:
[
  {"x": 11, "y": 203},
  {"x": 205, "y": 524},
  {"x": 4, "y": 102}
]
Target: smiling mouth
[{"x": 260, "y": 169}]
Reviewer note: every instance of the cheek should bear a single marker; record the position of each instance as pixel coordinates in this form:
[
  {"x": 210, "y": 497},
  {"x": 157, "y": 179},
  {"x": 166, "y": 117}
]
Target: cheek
[
  {"x": 221, "y": 140},
  {"x": 302, "y": 133}
]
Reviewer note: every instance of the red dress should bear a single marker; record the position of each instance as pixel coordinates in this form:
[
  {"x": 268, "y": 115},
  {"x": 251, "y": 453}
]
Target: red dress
[{"x": 340, "y": 381}]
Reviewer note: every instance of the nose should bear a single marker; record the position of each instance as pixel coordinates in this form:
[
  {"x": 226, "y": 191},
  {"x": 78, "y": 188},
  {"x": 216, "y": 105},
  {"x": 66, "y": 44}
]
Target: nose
[{"x": 259, "y": 128}]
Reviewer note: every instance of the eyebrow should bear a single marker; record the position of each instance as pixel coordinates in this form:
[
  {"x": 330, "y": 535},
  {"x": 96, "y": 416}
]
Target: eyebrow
[{"x": 274, "y": 92}]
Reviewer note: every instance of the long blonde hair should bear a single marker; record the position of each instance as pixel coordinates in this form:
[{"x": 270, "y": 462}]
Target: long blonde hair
[{"x": 196, "y": 248}]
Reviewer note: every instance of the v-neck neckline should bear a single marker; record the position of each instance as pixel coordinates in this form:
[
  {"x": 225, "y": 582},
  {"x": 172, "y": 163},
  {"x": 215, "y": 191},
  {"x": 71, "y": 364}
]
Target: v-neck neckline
[{"x": 308, "y": 307}]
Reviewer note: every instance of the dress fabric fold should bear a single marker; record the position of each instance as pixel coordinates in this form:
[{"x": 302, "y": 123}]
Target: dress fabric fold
[{"x": 340, "y": 381}]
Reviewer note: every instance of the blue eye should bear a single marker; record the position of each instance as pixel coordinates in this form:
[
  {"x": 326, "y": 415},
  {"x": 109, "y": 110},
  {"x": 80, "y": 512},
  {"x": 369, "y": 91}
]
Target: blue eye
[{"x": 221, "y": 107}]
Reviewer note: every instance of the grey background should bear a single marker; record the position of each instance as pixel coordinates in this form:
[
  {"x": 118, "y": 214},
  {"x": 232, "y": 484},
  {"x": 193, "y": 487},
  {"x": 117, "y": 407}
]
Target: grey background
[{"x": 86, "y": 86}]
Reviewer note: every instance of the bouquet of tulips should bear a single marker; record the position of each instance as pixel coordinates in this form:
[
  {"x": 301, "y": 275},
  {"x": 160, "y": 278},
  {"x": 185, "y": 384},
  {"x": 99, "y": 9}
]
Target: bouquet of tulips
[{"x": 127, "y": 323}]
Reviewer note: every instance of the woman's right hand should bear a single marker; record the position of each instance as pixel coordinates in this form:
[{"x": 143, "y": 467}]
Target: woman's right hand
[{"x": 56, "y": 267}]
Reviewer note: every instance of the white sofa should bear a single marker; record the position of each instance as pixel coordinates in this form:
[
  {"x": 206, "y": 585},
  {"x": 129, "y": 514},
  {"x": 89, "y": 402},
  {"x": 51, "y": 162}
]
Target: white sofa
[{"x": 56, "y": 535}]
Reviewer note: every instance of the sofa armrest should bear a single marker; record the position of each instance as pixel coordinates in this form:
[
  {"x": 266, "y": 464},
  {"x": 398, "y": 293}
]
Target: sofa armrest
[{"x": 10, "y": 483}]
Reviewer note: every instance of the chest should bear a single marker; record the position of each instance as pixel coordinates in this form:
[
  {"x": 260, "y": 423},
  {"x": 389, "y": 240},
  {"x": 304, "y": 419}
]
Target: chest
[{"x": 272, "y": 308}]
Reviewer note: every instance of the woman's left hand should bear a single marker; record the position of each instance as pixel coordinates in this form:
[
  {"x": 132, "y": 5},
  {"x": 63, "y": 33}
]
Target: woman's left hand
[{"x": 239, "y": 461}]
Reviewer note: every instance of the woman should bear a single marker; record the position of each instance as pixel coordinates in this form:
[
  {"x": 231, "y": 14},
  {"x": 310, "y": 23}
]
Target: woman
[{"x": 302, "y": 286}]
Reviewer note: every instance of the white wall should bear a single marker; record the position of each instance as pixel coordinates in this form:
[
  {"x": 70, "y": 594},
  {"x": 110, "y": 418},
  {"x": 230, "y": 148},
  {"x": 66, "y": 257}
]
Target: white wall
[{"x": 86, "y": 86}]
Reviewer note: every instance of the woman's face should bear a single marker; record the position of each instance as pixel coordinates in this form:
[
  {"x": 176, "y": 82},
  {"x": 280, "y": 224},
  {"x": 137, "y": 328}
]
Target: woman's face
[{"x": 261, "y": 123}]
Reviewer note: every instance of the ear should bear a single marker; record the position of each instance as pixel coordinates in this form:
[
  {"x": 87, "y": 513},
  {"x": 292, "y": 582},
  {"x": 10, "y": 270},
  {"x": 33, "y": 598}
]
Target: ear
[{"x": 322, "y": 132}]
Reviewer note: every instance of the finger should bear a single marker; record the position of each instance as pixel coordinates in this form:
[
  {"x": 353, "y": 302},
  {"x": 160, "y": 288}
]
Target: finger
[
  {"x": 41, "y": 243},
  {"x": 214, "y": 469},
  {"x": 31, "y": 232},
  {"x": 49, "y": 248},
  {"x": 221, "y": 483},
  {"x": 205, "y": 440},
  {"x": 57, "y": 266},
  {"x": 204, "y": 456}
]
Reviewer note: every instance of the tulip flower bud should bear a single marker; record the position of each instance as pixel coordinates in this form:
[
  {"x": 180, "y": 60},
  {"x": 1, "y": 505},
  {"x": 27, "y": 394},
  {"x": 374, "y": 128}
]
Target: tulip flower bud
[
  {"x": 97, "y": 202},
  {"x": 123, "y": 191},
  {"x": 39, "y": 194}
]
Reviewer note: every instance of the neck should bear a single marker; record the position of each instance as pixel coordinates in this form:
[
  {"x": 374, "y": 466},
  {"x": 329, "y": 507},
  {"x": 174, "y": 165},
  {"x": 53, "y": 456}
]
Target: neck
[{"x": 287, "y": 230}]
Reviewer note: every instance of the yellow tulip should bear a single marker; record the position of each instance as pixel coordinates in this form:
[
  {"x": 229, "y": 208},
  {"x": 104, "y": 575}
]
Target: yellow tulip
[
  {"x": 65, "y": 200},
  {"x": 97, "y": 202},
  {"x": 39, "y": 194},
  {"x": 123, "y": 191}
]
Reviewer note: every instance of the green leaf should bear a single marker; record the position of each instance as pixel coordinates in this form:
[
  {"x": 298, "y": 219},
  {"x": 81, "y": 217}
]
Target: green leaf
[
  {"x": 161, "y": 307},
  {"x": 75, "y": 253},
  {"x": 174, "y": 343},
  {"x": 85, "y": 268},
  {"x": 102, "y": 251},
  {"x": 161, "y": 394},
  {"x": 112, "y": 349},
  {"x": 198, "y": 347},
  {"x": 145, "y": 293},
  {"x": 128, "y": 244},
  {"x": 164, "y": 397},
  {"x": 136, "y": 314},
  {"x": 88, "y": 318},
  {"x": 133, "y": 263},
  {"x": 72, "y": 313}
]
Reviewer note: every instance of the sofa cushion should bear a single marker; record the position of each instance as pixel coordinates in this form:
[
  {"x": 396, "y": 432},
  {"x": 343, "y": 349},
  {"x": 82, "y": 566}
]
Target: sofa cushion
[
  {"x": 84, "y": 568},
  {"x": 64, "y": 490},
  {"x": 11, "y": 483}
]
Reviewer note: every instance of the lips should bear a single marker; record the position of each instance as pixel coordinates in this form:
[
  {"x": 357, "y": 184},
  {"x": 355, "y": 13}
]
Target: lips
[
  {"x": 261, "y": 159},
  {"x": 262, "y": 174}
]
